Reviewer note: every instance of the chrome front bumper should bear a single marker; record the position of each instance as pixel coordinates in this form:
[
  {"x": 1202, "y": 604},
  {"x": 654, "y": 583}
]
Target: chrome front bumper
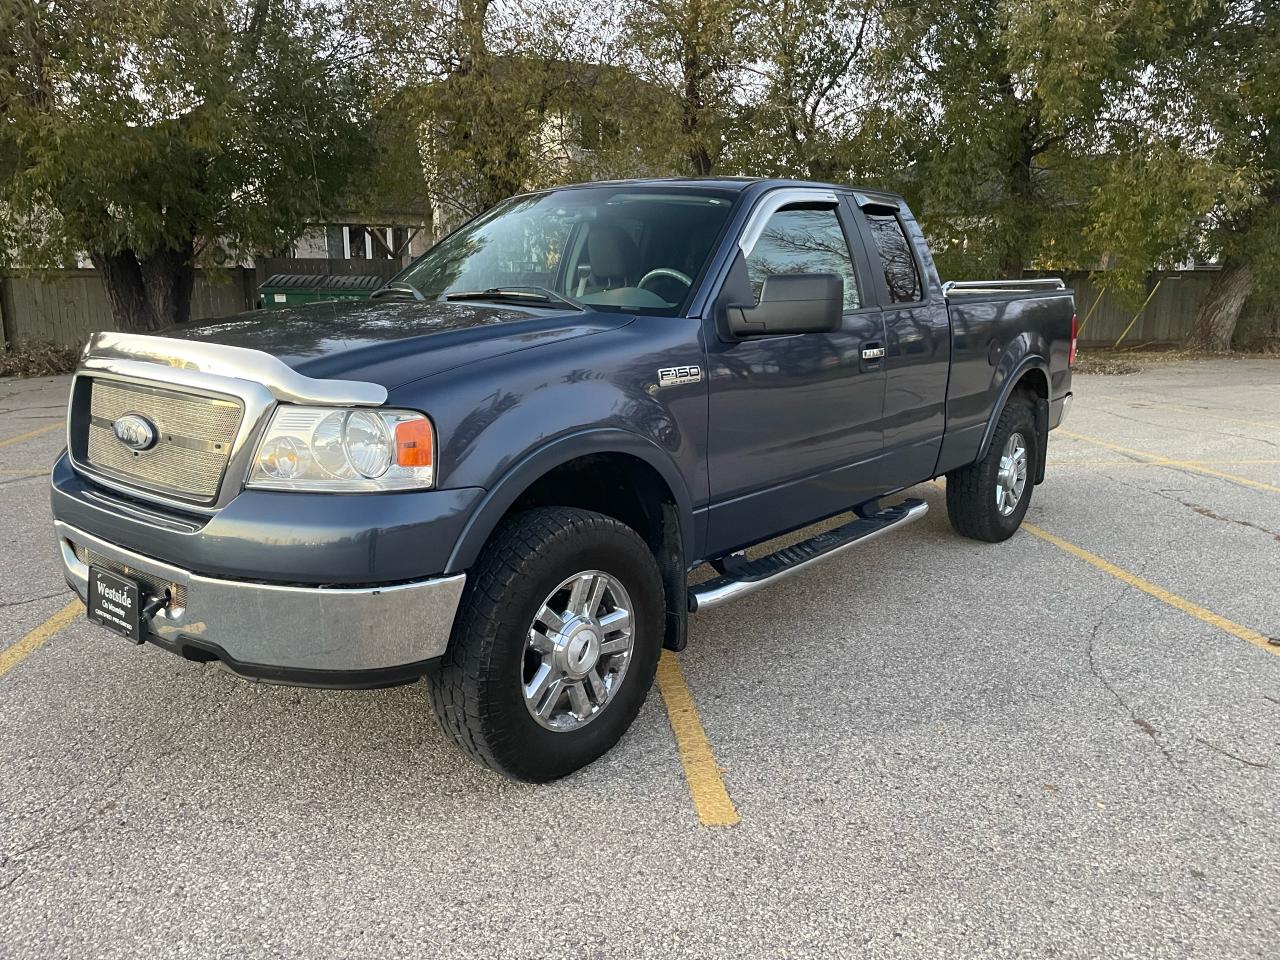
[{"x": 284, "y": 633}]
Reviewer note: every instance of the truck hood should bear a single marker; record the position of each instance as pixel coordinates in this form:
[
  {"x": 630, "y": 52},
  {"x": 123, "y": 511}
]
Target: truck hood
[{"x": 391, "y": 342}]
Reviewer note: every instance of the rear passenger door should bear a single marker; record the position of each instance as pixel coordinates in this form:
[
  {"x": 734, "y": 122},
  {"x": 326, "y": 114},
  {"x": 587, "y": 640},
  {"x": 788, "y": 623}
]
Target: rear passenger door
[
  {"x": 794, "y": 419},
  {"x": 917, "y": 341}
]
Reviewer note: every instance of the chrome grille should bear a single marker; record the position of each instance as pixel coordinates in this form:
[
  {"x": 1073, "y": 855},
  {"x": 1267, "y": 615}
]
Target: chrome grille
[
  {"x": 195, "y": 432},
  {"x": 151, "y": 586}
]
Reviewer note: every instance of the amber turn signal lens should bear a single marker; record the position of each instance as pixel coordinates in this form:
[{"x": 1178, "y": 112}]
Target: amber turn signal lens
[{"x": 413, "y": 443}]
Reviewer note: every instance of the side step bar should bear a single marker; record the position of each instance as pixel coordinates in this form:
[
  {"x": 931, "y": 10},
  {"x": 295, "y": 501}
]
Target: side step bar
[{"x": 742, "y": 578}]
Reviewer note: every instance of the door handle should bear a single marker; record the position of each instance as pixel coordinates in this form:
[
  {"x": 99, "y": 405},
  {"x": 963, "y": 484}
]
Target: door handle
[{"x": 872, "y": 351}]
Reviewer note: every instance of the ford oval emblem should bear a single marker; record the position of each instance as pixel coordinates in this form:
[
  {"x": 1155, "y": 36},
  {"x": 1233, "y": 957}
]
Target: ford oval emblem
[{"x": 135, "y": 431}]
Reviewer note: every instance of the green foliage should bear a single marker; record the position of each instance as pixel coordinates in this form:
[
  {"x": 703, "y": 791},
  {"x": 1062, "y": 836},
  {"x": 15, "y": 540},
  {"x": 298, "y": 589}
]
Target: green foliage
[
  {"x": 806, "y": 60},
  {"x": 695, "y": 51},
  {"x": 1029, "y": 134},
  {"x": 143, "y": 126}
]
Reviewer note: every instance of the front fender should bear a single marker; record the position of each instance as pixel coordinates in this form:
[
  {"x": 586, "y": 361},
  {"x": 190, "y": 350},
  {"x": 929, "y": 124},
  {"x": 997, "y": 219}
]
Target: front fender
[{"x": 523, "y": 474}]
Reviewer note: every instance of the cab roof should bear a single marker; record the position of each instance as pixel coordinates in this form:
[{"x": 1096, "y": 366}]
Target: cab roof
[{"x": 741, "y": 185}]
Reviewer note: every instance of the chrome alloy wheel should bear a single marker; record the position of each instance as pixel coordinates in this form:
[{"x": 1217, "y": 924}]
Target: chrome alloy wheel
[
  {"x": 577, "y": 651},
  {"x": 1012, "y": 478}
]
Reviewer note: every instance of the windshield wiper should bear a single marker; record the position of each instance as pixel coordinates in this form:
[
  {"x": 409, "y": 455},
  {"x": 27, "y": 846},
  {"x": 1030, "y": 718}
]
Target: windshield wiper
[
  {"x": 538, "y": 294},
  {"x": 399, "y": 291}
]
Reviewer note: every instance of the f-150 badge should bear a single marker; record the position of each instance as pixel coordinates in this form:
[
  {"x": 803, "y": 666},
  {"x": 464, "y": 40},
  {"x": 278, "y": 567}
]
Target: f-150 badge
[{"x": 674, "y": 376}]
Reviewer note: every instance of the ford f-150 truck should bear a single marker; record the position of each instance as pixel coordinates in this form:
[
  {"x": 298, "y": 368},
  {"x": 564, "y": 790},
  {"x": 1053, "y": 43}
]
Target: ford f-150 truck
[{"x": 499, "y": 472}]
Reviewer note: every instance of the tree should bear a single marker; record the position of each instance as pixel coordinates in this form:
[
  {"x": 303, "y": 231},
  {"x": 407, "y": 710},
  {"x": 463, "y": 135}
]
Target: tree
[
  {"x": 1038, "y": 139},
  {"x": 148, "y": 133},
  {"x": 694, "y": 49},
  {"x": 802, "y": 117},
  {"x": 983, "y": 141},
  {"x": 497, "y": 90},
  {"x": 1228, "y": 62}
]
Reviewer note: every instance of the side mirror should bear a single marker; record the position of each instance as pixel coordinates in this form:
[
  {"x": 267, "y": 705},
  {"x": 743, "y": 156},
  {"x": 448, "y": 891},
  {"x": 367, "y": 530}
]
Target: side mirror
[{"x": 791, "y": 303}]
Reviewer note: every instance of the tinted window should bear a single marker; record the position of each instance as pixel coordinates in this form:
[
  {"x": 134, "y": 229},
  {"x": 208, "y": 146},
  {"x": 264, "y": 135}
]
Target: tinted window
[
  {"x": 900, "y": 273},
  {"x": 804, "y": 241}
]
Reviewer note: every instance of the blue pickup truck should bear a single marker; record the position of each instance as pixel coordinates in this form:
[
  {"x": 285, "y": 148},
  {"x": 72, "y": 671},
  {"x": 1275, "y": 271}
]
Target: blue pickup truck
[{"x": 499, "y": 473}]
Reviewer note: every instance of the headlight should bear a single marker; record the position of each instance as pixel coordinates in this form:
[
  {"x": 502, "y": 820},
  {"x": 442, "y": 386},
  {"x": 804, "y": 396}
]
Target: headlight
[{"x": 361, "y": 450}]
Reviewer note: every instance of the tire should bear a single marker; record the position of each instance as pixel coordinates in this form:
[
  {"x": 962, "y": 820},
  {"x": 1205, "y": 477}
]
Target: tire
[
  {"x": 974, "y": 503},
  {"x": 533, "y": 563}
]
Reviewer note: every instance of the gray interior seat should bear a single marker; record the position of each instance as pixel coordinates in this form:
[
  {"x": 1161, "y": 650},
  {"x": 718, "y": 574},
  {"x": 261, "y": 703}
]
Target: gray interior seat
[{"x": 613, "y": 257}]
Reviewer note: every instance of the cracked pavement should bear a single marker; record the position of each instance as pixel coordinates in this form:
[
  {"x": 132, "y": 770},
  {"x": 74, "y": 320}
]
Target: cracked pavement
[{"x": 938, "y": 748}]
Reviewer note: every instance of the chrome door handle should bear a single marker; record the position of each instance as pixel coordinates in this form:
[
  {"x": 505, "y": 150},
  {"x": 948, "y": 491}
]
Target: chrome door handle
[{"x": 873, "y": 352}]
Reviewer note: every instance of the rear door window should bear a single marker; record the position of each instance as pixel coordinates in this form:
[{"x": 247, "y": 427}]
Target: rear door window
[{"x": 901, "y": 275}]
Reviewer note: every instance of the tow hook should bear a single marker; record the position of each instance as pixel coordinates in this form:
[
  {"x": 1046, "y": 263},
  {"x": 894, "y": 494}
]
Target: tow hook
[{"x": 155, "y": 605}]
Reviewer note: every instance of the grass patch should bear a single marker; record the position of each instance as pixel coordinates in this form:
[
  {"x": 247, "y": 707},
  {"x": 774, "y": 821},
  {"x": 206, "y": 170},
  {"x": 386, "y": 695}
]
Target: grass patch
[{"x": 37, "y": 360}]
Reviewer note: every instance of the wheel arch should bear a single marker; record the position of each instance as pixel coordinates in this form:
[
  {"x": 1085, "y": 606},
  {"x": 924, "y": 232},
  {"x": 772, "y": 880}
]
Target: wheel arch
[
  {"x": 1032, "y": 374},
  {"x": 613, "y": 454}
]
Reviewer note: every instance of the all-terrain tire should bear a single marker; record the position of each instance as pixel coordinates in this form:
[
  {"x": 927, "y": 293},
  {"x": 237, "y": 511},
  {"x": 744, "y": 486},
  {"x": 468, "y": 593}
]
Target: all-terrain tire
[
  {"x": 477, "y": 688},
  {"x": 972, "y": 503}
]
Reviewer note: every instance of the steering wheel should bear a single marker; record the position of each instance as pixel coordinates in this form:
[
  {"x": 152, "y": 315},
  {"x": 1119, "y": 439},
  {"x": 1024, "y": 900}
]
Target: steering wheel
[{"x": 665, "y": 272}]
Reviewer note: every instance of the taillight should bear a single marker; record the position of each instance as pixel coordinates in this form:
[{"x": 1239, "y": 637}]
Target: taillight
[{"x": 1075, "y": 333}]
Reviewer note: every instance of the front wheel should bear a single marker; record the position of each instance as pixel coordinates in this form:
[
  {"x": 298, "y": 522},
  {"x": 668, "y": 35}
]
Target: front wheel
[
  {"x": 988, "y": 499},
  {"x": 555, "y": 646}
]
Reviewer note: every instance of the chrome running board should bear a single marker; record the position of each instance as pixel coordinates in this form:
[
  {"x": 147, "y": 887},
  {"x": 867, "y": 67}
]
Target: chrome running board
[{"x": 740, "y": 579}]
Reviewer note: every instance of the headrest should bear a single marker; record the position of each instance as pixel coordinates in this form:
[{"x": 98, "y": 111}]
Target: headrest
[{"x": 611, "y": 251}]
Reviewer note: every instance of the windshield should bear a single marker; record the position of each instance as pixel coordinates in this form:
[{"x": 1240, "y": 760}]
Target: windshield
[{"x": 622, "y": 248}]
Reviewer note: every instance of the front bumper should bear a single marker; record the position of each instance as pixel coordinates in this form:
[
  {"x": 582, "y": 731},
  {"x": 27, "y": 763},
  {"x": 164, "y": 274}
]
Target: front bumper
[{"x": 321, "y": 636}]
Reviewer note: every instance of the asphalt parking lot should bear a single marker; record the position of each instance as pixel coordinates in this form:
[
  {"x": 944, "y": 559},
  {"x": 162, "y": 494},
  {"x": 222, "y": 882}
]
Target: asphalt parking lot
[{"x": 1067, "y": 745}]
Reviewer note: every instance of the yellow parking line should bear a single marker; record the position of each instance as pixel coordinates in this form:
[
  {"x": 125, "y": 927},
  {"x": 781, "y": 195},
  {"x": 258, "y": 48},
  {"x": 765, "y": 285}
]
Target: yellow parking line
[
  {"x": 1167, "y": 462},
  {"x": 10, "y": 657},
  {"x": 31, "y": 433},
  {"x": 1058, "y": 464},
  {"x": 706, "y": 785},
  {"x": 1161, "y": 594}
]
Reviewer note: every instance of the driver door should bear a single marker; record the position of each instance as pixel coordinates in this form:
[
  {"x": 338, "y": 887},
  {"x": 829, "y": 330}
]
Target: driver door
[{"x": 796, "y": 429}]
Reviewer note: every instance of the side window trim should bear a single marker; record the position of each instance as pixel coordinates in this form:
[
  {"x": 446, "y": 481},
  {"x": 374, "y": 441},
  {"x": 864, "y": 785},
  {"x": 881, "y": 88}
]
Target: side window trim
[
  {"x": 883, "y": 293},
  {"x": 774, "y": 201},
  {"x": 855, "y": 236}
]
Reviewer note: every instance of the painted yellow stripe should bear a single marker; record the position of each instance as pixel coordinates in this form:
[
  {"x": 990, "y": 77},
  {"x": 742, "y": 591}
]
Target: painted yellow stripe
[
  {"x": 1161, "y": 594},
  {"x": 1166, "y": 462},
  {"x": 10, "y": 657},
  {"x": 1058, "y": 464},
  {"x": 1129, "y": 464},
  {"x": 706, "y": 785},
  {"x": 30, "y": 433}
]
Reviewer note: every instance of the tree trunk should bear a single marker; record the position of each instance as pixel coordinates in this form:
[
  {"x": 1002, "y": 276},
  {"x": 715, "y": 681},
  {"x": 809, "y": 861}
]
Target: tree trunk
[
  {"x": 168, "y": 277},
  {"x": 148, "y": 293},
  {"x": 122, "y": 278},
  {"x": 693, "y": 103},
  {"x": 1217, "y": 317},
  {"x": 1021, "y": 202}
]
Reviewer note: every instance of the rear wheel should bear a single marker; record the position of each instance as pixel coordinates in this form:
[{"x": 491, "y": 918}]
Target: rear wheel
[
  {"x": 555, "y": 646},
  {"x": 988, "y": 499}
]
